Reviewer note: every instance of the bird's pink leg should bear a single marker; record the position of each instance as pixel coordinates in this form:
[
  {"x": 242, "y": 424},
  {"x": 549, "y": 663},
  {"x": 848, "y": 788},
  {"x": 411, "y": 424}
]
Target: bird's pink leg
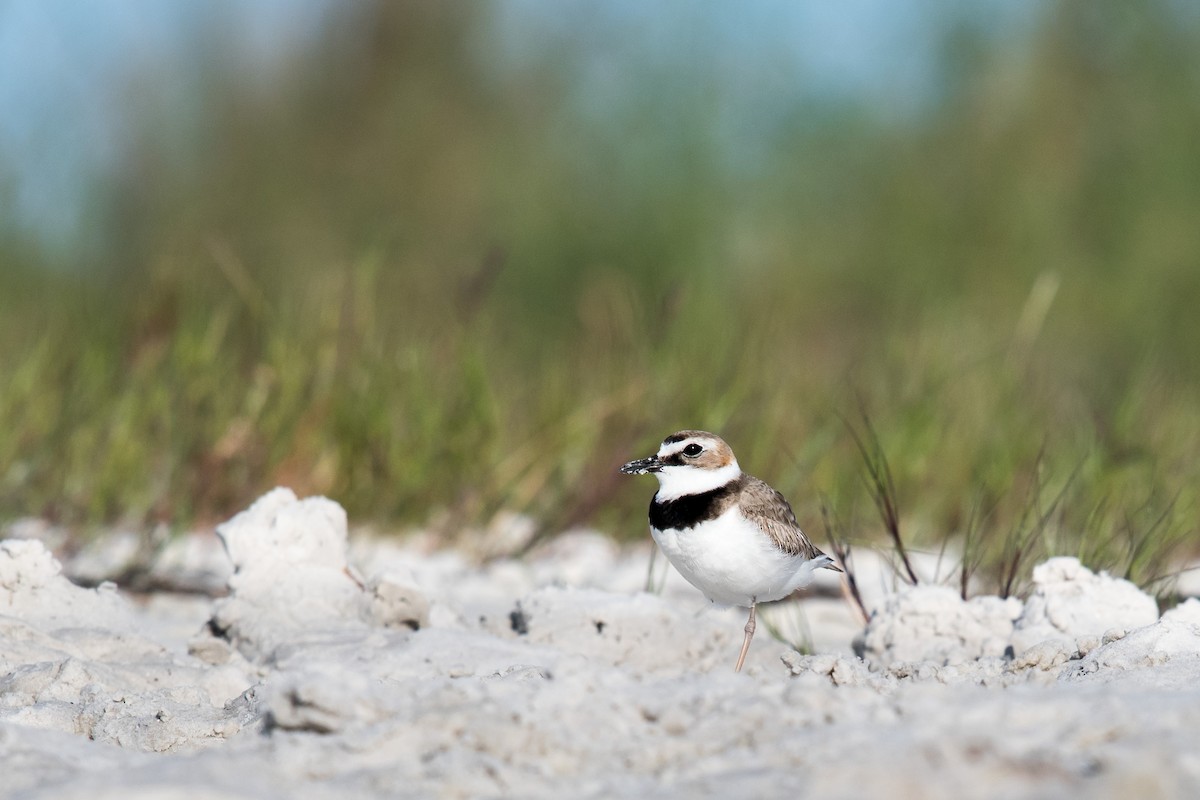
[{"x": 749, "y": 635}]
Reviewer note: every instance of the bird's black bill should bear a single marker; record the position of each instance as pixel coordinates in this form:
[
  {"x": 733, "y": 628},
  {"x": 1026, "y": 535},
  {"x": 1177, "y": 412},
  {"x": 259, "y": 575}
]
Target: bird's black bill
[{"x": 642, "y": 465}]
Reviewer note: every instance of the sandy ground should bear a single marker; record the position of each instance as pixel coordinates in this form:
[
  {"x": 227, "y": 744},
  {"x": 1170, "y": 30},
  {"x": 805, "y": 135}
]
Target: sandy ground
[{"x": 385, "y": 669}]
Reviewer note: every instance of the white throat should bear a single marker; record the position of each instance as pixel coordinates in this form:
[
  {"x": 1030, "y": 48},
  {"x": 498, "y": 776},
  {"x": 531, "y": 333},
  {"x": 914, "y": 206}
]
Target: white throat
[{"x": 675, "y": 482}]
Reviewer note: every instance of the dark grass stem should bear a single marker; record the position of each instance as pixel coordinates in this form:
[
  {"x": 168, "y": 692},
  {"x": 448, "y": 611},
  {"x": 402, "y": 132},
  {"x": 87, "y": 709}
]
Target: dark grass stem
[
  {"x": 1023, "y": 538},
  {"x": 841, "y": 551},
  {"x": 1140, "y": 545},
  {"x": 882, "y": 487},
  {"x": 973, "y": 546}
]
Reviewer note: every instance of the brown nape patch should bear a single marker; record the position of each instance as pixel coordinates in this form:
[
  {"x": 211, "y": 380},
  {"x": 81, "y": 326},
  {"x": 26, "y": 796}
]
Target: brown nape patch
[{"x": 716, "y": 455}]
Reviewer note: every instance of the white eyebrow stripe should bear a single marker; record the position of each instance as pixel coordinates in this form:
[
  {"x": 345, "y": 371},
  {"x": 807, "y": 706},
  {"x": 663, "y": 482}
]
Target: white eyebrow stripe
[{"x": 677, "y": 447}]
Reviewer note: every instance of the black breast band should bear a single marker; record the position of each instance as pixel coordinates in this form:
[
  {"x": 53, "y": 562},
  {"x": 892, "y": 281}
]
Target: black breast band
[{"x": 691, "y": 509}]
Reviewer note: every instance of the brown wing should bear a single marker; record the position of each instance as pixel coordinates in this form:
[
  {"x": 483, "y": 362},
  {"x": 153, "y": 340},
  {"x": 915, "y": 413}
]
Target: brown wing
[{"x": 770, "y": 511}]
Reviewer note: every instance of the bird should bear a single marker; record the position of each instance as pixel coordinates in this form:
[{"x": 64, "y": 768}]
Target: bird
[{"x": 731, "y": 535}]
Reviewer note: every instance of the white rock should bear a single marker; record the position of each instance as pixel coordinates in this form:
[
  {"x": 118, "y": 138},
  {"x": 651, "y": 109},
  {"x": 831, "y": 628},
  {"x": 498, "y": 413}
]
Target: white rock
[
  {"x": 933, "y": 623},
  {"x": 1187, "y": 584},
  {"x": 642, "y": 629},
  {"x": 76, "y": 660},
  {"x": 606, "y": 693},
  {"x": 53, "y": 536},
  {"x": 1187, "y": 611},
  {"x": 291, "y": 579},
  {"x": 1165, "y": 654},
  {"x": 194, "y": 561},
  {"x": 107, "y": 557},
  {"x": 396, "y": 601},
  {"x": 279, "y": 532},
  {"x": 880, "y": 575},
  {"x": 1069, "y": 601},
  {"x": 32, "y": 588}
]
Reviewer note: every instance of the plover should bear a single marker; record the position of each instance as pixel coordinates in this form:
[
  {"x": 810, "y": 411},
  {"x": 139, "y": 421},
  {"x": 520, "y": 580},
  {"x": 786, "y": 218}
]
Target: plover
[{"x": 729, "y": 534}]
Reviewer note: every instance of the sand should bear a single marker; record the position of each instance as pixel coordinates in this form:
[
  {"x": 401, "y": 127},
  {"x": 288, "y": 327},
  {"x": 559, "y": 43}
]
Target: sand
[{"x": 369, "y": 667}]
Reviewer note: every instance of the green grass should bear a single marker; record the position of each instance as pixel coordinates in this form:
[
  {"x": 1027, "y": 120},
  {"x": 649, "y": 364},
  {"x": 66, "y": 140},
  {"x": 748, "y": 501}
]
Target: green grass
[{"x": 434, "y": 297}]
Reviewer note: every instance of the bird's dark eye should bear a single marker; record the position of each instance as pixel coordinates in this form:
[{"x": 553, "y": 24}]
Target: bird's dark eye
[{"x": 693, "y": 450}]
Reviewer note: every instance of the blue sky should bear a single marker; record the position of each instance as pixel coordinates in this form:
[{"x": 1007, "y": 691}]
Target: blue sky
[{"x": 66, "y": 64}]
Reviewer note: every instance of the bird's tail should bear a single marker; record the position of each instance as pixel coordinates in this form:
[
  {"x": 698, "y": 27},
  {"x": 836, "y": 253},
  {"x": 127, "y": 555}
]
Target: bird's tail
[{"x": 827, "y": 562}]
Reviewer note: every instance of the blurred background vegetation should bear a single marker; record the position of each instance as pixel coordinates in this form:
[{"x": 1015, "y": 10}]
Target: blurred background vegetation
[{"x": 439, "y": 263}]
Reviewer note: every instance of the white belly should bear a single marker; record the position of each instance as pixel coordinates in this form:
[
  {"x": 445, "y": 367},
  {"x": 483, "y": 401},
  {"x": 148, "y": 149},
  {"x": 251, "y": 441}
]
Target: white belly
[{"x": 733, "y": 562}]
